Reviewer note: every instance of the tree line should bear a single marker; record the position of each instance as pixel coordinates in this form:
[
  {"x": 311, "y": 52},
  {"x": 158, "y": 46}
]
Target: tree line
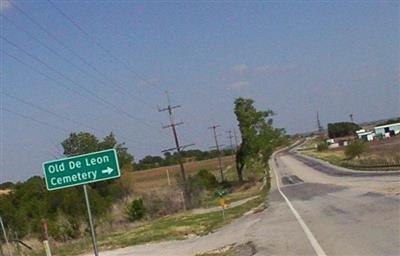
[
  {"x": 169, "y": 158},
  {"x": 29, "y": 202}
]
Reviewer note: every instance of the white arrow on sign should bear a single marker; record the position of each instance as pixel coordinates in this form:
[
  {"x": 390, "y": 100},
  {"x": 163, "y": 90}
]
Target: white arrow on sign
[{"x": 108, "y": 170}]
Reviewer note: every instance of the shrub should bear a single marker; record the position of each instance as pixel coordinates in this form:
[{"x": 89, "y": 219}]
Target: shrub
[
  {"x": 136, "y": 210},
  {"x": 355, "y": 149},
  {"x": 342, "y": 129},
  {"x": 206, "y": 179},
  {"x": 161, "y": 203},
  {"x": 323, "y": 146}
]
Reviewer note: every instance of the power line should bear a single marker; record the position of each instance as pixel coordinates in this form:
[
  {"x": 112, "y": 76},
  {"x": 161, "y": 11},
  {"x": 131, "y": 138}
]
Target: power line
[
  {"x": 33, "y": 119},
  {"x": 91, "y": 93},
  {"x": 92, "y": 39},
  {"x": 178, "y": 148},
  {"x": 217, "y": 147},
  {"x": 56, "y": 83},
  {"x": 50, "y": 112},
  {"x": 121, "y": 90},
  {"x": 61, "y": 116},
  {"x": 235, "y": 137},
  {"x": 230, "y": 137},
  {"x": 65, "y": 46}
]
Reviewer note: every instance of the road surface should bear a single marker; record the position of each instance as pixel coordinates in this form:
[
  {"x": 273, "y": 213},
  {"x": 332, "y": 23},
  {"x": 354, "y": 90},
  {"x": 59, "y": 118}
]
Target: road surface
[{"x": 326, "y": 212}]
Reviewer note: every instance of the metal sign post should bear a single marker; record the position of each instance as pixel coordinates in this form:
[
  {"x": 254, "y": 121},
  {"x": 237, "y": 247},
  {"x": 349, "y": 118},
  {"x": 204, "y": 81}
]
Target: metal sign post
[
  {"x": 221, "y": 202},
  {"x": 96, "y": 252},
  {"x": 5, "y": 237},
  {"x": 81, "y": 170}
]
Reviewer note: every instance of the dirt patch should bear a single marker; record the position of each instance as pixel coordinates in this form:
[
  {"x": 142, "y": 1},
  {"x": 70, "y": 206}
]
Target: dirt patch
[
  {"x": 5, "y": 191},
  {"x": 247, "y": 249}
]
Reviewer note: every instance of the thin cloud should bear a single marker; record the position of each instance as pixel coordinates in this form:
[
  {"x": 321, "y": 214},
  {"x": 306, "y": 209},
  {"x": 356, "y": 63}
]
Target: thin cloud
[
  {"x": 5, "y": 4},
  {"x": 366, "y": 75},
  {"x": 240, "y": 68},
  {"x": 273, "y": 69},
  {"x": 149, "y": 82},
  {"x": 265, "y": 70},
  {"x": 238, "y": 85}
]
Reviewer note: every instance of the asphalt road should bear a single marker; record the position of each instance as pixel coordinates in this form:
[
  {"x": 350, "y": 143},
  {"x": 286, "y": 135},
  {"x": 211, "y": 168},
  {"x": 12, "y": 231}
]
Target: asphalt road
[{"x": 317, "y": 210}]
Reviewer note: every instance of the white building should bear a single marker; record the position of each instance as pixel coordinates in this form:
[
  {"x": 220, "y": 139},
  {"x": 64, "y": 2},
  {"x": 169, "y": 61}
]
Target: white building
[
  {"x": 387, "y": 130},
  {"x": 365, "y": 135}
]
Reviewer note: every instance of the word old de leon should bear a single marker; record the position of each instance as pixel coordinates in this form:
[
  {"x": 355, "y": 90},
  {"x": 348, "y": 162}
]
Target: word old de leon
[{"x": 77, "y": 164}]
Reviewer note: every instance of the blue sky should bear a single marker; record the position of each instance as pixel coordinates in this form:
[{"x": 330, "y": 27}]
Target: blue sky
[{"x": 295, "y": 58}]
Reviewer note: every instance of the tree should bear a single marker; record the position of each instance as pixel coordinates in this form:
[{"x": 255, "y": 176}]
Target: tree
[
  {"x": 322, "y": 146},
  {"x": 84, "y": 142},
  {"x": 355, "y": 149},
  {"x": 259, "y": 137},
  {"x": 80, "y": 143},
  {"x": 136, "y": 210},
  {"x": 342, "y": 129}
]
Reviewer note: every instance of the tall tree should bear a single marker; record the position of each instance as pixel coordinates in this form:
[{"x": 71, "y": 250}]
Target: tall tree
[
  {"x": 259, "y": 137},
  {"x": 84, "y": 142}
]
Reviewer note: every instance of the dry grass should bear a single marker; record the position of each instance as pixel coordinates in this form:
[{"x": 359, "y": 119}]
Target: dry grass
[
  {"x": 156, "y": 178},
  {"x": 155, "y": 181},
  {"x": 384, "y": 152},
  {"x": 380, "y": 154},
  {"x": 5, "y": 191}
]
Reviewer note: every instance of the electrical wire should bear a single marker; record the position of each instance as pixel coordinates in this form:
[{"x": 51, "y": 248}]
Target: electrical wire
[
  {"x": 89, "y": 92},
  {"x": 65, "y": 46}
]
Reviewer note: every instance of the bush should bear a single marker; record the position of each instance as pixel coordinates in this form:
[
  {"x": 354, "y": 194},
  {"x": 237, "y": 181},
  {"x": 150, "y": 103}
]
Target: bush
[
  {"x": 342, "y": 129},
  {"x": 355, "y": 149},
  {"x": 136, "y": 210},
  {"x": 161, "y": 203},
  {"x": 206, "y": 179},
  {"x": 322, "y": 146}
]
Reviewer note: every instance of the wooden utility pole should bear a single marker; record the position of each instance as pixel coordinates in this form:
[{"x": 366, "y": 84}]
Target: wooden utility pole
[
  {"x": 230, "y": 137},
  {"x": 236, "y": 140},
  {"x": 217, "y": 146},
  {"x": 187, "y": 196}
]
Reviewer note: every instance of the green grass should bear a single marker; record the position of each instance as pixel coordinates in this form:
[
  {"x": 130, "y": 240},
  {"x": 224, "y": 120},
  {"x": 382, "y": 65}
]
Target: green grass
[
  {"x": 381, "y": 156},
  {"x": 334, "y": 157},
  {"x": 176, "y": 227}
]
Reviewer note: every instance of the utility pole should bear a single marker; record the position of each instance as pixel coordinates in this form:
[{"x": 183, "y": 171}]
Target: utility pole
[
  {"x": 320, "y": 129},
  {"x": 230, "y": 137},
  {"x": 214, "y": 127},
  {"x": 187, "y": 196},
  {"x": 351, "y": 118},
  {"x": 236, "y": 140}
]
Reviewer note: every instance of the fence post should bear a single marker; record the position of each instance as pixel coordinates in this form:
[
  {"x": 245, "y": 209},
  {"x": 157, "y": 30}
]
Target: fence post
[{"x": 45, "y": 237}]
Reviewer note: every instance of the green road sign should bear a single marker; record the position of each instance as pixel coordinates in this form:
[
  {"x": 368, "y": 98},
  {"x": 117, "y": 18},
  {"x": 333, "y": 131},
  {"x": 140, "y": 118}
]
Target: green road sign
[{"x": 82, "y": 169}]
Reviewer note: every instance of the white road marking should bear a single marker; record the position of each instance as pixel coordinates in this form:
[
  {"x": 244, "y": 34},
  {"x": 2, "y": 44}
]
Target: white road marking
[{"x": 314, "y": 243}]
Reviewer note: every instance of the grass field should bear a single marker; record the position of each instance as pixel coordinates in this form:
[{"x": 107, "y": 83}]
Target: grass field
[
  {"x": 157, "y": 178},
  {"x": 182, "y": 224},
  {"x": 175, "y": 227},
  {"x": 384, "y": 152}
]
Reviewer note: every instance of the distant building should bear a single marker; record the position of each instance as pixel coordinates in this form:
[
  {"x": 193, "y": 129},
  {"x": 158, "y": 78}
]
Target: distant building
[
  {"x": 365, "y": 135},
  {"x": 387, "y": 130}
]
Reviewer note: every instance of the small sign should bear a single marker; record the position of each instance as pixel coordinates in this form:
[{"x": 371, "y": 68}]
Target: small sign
[
  {"x": 220, "y": 193},
  {"x": 82, "y": 169},
  {"x": 221, "y": 202}
]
